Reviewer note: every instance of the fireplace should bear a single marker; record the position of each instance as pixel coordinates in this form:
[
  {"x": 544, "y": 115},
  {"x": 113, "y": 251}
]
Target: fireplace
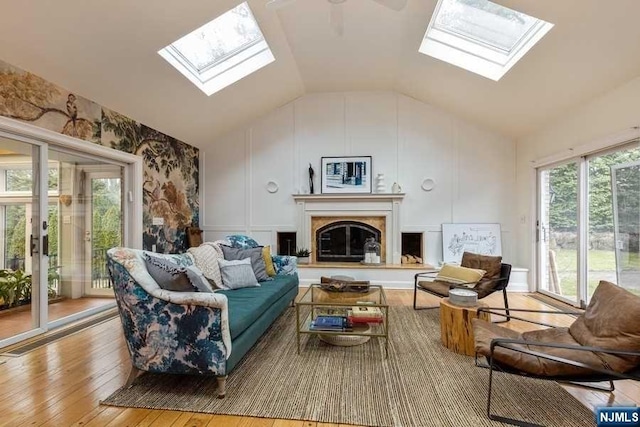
[
  {"x": 343, "y": 241},
  {"x": 380, "y": 211},
  {"x": 342, "y": 238}
]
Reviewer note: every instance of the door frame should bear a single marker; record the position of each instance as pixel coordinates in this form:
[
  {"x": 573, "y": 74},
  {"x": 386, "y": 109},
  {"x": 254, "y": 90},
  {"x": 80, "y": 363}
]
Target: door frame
[
  {"x": 98, "y": 172},
  {"x": 132, "y": 192}
]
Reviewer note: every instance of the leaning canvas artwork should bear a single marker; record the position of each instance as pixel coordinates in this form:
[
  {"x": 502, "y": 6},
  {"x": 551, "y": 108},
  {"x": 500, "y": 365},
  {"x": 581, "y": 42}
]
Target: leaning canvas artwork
[{"x": 481, "y": 239}]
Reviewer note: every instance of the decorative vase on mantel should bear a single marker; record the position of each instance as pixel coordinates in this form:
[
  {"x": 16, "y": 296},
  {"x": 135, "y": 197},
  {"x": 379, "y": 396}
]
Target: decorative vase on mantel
[{"x": 380, "y": 185}]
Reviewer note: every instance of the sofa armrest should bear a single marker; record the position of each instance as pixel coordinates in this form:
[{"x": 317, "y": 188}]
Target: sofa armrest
[
  {"x": 169, "y": 331},
  {"x": 285, "y": 264}
]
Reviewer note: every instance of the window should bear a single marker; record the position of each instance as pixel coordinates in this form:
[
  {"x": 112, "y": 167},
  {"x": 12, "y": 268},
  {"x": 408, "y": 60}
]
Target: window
[
  {"x": 481, "y": 36},
  {"x": 220, "y": 52},
  {"x": 20, "y": 179}
]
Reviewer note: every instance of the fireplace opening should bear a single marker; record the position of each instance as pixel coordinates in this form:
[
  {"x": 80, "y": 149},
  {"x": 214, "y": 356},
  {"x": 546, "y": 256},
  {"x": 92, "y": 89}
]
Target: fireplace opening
[{"x": 343, "y": 241}]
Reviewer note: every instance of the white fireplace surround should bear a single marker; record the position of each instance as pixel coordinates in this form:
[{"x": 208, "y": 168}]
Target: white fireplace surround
[{"x": 385, "y": 205}]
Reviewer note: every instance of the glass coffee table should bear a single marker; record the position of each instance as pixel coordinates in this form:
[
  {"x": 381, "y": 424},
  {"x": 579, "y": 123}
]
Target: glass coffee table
[{"x": 317, "y": 301}]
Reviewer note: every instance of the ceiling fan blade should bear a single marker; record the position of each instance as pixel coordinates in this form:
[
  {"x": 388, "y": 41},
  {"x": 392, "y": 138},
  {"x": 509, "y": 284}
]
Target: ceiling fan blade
[
  {"x": 277, "y": 4},
  {"x": 336, "y": 18},
  {"x": 396, "y": 5}
]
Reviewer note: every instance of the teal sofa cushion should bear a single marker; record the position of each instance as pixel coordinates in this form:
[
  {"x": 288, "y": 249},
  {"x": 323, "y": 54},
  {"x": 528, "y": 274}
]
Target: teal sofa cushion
[{"x": 248, "y": 304}]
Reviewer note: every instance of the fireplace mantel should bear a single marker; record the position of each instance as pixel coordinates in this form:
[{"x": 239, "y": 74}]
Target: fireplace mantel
[
  {"x": 349, "y": 197},
  {"x": 386, "y": 205}
]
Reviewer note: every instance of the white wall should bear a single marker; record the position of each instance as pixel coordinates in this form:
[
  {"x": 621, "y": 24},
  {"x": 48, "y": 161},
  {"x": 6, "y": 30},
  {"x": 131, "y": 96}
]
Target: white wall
[
  {"x": 595, "y": 125},
  {"x": 409, "y": 141}
]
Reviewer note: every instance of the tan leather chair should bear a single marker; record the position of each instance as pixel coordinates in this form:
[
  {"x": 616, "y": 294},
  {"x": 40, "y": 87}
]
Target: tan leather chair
[
  {"x": 603, "y": 344},
  {"x": 495, "y": 279}
]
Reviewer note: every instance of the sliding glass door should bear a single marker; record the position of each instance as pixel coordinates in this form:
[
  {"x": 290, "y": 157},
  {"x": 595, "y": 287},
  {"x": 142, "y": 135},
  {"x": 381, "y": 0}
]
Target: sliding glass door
[
  {"x": 23, "y": 240},
  {"x": 62, "y": 206},
  {"x": 626, "y": 207},
  {"x": 588, "y": 225},
  {"x": 558, "y": 231}
]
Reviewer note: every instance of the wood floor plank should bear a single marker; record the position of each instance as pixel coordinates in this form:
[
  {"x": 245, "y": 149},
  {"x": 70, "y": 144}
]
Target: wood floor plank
[
  {"x": 199, "y": 420},
  {"x": 289, "y": 423},
  {"x": 150, "y": 419},
  {"x": 104, "y": 417},
  {"x": 225, "y": 420},
  {"x": 129, "y": 417},
  {"x": 256, "y": 422},
  {"x": 166, "y": 418},
  {"x": 183, "y": 419}
]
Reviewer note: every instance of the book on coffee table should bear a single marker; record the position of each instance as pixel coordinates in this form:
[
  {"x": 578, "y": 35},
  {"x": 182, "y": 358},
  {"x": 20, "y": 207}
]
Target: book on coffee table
[{"x": 330, "y": 323}]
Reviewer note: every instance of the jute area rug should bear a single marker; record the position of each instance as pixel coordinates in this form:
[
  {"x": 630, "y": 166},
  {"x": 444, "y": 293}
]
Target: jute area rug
[{"x": 420, "y": 384}]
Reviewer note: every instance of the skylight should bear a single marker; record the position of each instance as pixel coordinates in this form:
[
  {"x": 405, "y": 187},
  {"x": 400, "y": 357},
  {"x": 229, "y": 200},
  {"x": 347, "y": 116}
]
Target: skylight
[
  {"x": 481, "y": 36},
  {"x": 220, "y": 52}
]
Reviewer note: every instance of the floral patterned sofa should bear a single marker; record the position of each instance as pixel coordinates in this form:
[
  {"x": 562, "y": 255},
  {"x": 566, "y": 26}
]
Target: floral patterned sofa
[{"x": 194, "y": 332}]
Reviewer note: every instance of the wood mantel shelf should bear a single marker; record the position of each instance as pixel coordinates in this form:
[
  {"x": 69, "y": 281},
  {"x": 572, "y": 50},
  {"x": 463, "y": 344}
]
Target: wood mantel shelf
[{"x": 349, "y": 197}]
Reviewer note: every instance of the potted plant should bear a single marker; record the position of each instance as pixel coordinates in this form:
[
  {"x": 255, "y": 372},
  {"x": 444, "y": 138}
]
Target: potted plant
[{"x": 303, "y": 255}]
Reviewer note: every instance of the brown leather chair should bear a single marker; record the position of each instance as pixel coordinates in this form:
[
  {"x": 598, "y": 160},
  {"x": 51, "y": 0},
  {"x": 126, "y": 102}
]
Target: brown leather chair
[
  {"x": 495, "y": 279},
  {"x": 603, "y": 344}
]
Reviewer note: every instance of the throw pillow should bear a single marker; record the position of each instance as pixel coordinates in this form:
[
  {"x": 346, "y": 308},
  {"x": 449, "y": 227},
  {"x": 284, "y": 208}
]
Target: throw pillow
[
  {"x": 168, "y": 275},
  {"x": 237, "y": 274},
  {"x": 241, "y": 241},
  {"x": 268, "y": 261},
  {"x": 457, "y": 275},
  {"x": 197, "y": 279},
  {"x": 255, "y": 254},
  {"x": 206, "y": 259}
]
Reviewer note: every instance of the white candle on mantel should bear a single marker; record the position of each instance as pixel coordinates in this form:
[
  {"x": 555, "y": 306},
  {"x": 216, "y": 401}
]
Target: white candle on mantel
[{"x": 367, "y": 258}]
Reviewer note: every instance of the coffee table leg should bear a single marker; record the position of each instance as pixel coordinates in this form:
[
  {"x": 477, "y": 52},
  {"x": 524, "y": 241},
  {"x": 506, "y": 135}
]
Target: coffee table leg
[
  {"x": 298, "y": 327},
  {"x": 386, "y": 334}
]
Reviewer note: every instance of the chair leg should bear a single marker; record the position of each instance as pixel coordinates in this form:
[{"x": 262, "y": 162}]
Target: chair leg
[
  {"x": 506, "y": 306},
  {"x": 593, "y": 387},
  {"x": 499, "y": 418}
]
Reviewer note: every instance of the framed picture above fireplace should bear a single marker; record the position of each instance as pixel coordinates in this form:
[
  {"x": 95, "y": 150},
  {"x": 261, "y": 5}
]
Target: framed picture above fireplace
[{"x": 346, "y": 175}]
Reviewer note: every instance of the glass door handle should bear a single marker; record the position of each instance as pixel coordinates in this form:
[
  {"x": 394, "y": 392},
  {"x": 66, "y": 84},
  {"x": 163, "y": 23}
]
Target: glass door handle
[{"x": 45, "y": 245}]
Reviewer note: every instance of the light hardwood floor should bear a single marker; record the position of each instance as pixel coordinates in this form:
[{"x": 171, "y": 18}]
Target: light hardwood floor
[
  {"x": 14, "y": 322},
  {"x": 62, "y": 383}
]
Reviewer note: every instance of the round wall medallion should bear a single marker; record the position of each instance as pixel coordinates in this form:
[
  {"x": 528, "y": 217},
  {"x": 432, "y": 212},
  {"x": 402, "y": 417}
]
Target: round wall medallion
[
  {"x": 428, "y": 184},
  {"x": 272, "y": 187}
]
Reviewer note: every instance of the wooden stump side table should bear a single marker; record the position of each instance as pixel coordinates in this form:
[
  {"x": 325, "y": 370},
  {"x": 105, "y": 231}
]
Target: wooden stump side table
[{"x": 456, "y": 329}]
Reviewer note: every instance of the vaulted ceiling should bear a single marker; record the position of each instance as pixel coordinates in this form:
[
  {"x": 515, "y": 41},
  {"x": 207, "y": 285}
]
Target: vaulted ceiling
[{"x": 107, "y": 52}]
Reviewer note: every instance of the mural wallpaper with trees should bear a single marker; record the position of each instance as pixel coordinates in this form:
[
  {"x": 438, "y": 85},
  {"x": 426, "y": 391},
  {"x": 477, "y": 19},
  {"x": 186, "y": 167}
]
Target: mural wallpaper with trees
[{"x": 170, "y": 188}]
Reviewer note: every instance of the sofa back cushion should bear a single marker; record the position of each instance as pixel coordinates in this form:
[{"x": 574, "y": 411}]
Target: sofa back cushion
[
  {"x": 237, "y": 274},
  {"x": 611, "y": 321},
  {"x": 490, "y": 264}
]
